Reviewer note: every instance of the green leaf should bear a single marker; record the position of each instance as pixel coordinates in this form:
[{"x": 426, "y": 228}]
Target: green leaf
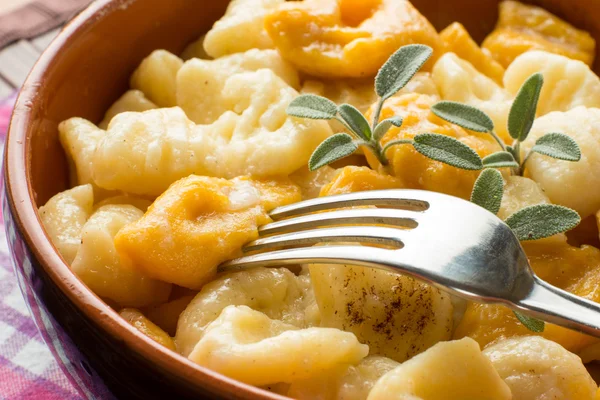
[
  {"x": 447, "y": 150},
  {"x": 332, "y": 149},
  {"x": 488, "y": 190},
  {"x": 558, "y": 145},
  {"x": 312, "y": 107},
  {"x": 512, "y": 151},
  {"x": 500, "y": 159},
  {"x": 463, "y": 115},
  {"x": 523, "y": 110},
  {"x": 533, "y": 324},
  {"x": 399, "y": 69},
  {"x": 384, "y": 126},
  {"x": 356, "y": 121},
  {"x": 542, "y": 221}
]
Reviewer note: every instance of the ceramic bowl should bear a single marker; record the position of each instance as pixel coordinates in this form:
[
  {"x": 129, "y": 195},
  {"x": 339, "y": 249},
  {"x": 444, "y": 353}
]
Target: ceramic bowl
[{"x": 84, "y": 70}]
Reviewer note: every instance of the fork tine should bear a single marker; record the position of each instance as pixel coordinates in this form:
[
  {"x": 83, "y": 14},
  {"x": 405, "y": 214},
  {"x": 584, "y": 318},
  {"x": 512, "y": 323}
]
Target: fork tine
[
  {"x": 373, "y": 216},
  {"x": 356, "y": 255},
  {"x": 402, "y": 199},
  {"x": 362, "y": 234}
]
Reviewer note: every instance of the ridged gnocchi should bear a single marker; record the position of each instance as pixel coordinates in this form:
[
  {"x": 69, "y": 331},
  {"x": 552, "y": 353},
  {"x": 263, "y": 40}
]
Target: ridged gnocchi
[
  {"x": 329, "y": 38},
  {"x": 132, "y": 100},
  {"x": 561, "y": 180},
  {"x": 522, "y": 27},
  {"x": 156, "y": 77},
  {"x": 249, "y": 346},
  {"x": 448, "y": 371},
  {"x": 143, "y": 153},
  {"x": 567, "y": 83},
  {"x": 535, "y": 368},
  {"x": 147, "y": 327},
  {"x": 64, "y": 216},
  {"x": 106, "y": 272},
  {"x": 198, "y": 223},
  {"x": 458, "y": 80},
  {"x": 201, "y": 83},
  {"x": 241, "y": 28},
  {"x": 277, "y": 293}
]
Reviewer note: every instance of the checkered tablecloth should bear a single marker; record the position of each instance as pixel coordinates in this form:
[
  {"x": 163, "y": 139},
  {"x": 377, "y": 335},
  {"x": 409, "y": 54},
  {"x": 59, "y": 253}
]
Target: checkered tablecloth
[{"x": 27, "y": 368}]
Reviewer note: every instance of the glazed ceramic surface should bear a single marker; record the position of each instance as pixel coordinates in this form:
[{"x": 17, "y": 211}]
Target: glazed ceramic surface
[{"x": 81, "y": 74}]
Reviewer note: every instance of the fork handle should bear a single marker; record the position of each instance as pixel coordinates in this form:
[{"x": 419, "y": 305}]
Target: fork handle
[{"x": 561, "y": 308}]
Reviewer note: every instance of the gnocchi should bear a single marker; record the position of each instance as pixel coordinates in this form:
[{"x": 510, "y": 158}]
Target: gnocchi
[
  {"x": 329, "y": 38},
  {"x": 156, "y": 78},
  {"x": 277, "y": 293},
  {"x": 535, "y": 368},
  {"x": 567, "y": 83},
  {"x": 143, "y": 153},
  {"x": 454, "y": 370},
  {"x": 241, "y": 28},
  {"x": 248, "y": 346}
]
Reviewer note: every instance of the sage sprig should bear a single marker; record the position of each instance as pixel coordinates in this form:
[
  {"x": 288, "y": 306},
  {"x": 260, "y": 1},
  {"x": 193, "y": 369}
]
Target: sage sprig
[
  {"x": 530, "y": 223},
  {"x": 392, "y": 77}
]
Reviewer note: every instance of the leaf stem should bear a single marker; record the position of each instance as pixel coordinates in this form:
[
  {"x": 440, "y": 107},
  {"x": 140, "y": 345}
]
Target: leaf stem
[
  {"x": 525, "y": 160},
  {"x": 497, "y": 138},
  {"x": 517, "y": 155},
  {"x": 377, "y": 113},
  {"x": 394, "y": 143}
]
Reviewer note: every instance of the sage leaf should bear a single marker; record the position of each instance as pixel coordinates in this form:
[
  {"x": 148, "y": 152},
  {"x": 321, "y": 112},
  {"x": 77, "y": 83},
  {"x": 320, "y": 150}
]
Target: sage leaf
[
  {"x": 542, "y": 221},
  {"x": 399, "y": 69},
  {"x": 356, "y": 121},
  {"x": 533, "y": 324},
  {"x": 523, "y": 110},
  {"x": 512, "y": 151},
  {"x": 463, "y": 115},
  {"x": 488, "y": 190},
  {"x": 447, "y": 150},
  {"x": 312, "y": 107},
  {"x": 558, "y": 145},
  {"x": 384, "y": 126},
  {"x": 332, "y": 149},
  {"x": 500, "y": 159}
]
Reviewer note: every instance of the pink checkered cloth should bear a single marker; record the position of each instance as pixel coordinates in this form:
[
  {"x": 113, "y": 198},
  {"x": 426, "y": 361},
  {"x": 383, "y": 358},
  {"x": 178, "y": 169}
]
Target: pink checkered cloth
[{"x": 27, "y": 368}]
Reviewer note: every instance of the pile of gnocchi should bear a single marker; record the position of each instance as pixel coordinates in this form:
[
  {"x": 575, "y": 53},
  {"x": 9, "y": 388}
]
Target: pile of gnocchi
[{"x": 188, "y": 163}]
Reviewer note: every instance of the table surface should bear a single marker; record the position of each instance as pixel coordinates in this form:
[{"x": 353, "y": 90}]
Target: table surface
[{"x": 27, "y": 369}]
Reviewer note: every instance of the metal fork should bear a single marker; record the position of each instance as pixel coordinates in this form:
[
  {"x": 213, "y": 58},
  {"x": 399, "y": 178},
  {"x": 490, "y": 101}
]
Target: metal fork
[{"x": 443, "y": 240}]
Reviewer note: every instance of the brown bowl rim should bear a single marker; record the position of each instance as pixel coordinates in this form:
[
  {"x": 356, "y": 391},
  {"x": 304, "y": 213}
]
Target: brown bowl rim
[{"x": 20, "y": 193}]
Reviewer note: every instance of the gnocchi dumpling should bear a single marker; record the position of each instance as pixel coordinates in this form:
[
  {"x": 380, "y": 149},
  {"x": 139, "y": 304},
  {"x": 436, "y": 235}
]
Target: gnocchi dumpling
[
  {"x": 458, "y": 80},
  {"x": 198, "y": 223},
  {"x": 311, "y": 182},
  {"x": 156, "y": 77},
  {"x": 454, "y": 370},
  {"x": 79, "y": 138},
  {"x": 329, "y": 38},
  {"x": 147, "y": 327},
  {"x": 195, "y": 50},
  {"x": 395, "y": 315},
  {"x": 276, "y": 292},
  {"x": 241, "y": 28},
  {"x": 353, "y": 382},
  {"x": 132, "y": 100},
  {"x": 522, "y": 27},
  {"x": 64, "y": 216},
  {"x": 104, "y": 271},
  {"x": 569, "y": 183},
  {"x": 535, "y": 368},
  {"x": 353, "y": 179},
  {"x": 143, "y": 153},
  {"x": 246, "y": 345},
  {"x": 567, "y": 83},
  {"x": 458, "y": 41},
  {"x": 201, "y": 83}
]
